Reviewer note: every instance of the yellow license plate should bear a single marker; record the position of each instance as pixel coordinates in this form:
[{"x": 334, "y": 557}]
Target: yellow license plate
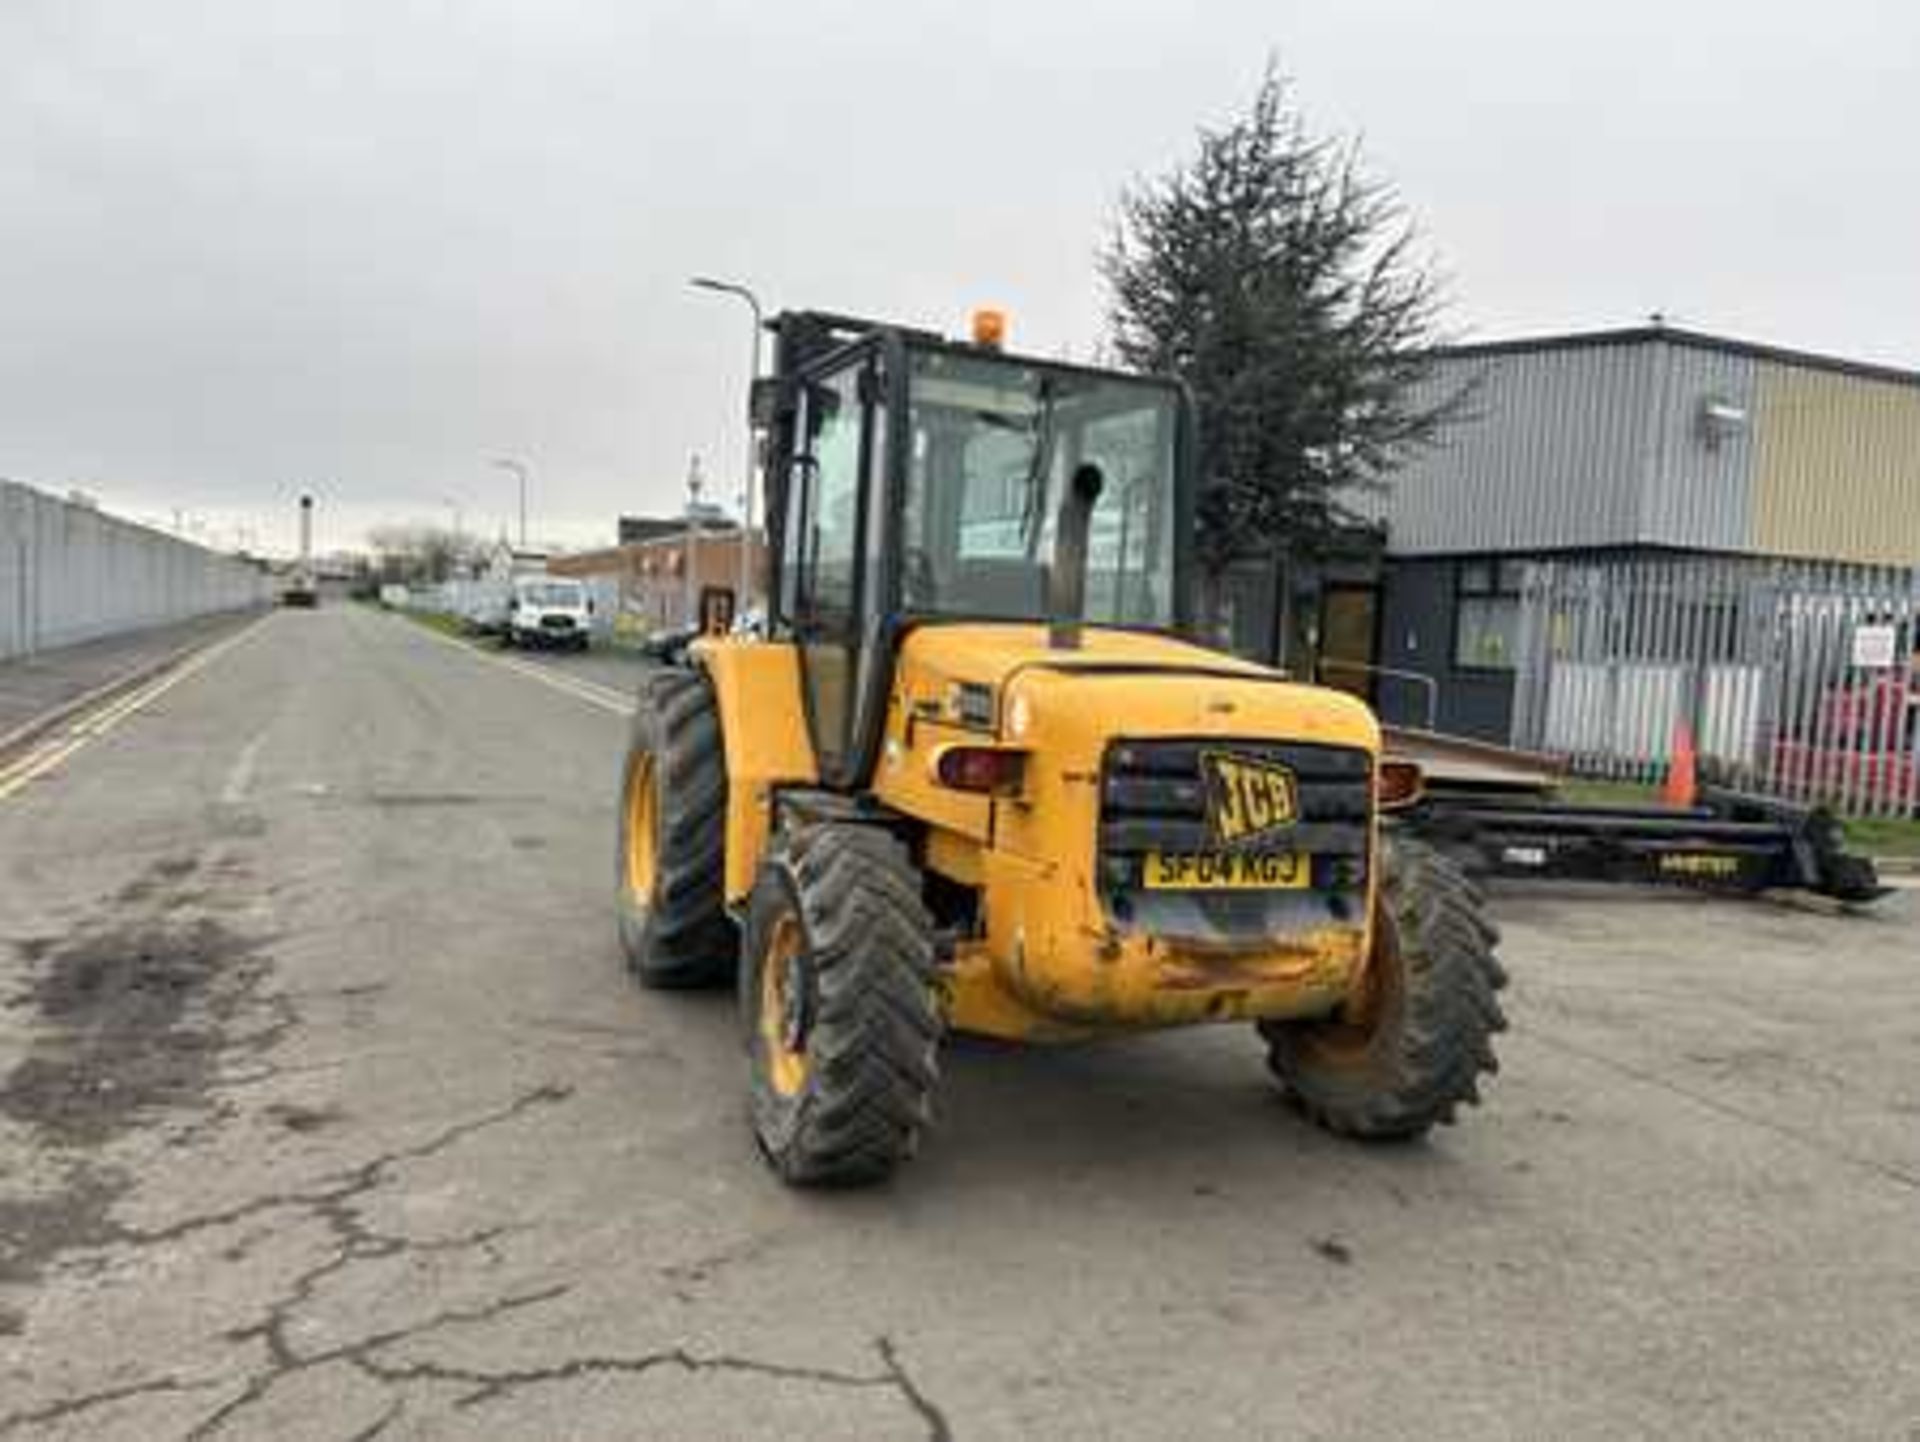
[{"x": 1220, "y": 871}]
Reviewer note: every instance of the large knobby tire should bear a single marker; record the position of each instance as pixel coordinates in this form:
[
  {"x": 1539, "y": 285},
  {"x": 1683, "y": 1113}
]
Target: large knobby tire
[
  {"x": 671, "y": 862},
  {"x": 840, "y": 1004},
  {"x": 1413, "y": 1043}
]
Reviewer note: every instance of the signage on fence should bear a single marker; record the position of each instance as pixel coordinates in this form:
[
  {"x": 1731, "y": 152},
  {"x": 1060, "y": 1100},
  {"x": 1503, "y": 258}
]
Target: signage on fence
[{"x": 1873, "y": 648}]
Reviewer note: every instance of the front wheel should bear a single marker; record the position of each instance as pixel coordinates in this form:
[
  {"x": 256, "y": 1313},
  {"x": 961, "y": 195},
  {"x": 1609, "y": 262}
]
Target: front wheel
[
  {"x": 840, "y": 1004},
  {"x": 1413, "y": 1042}
]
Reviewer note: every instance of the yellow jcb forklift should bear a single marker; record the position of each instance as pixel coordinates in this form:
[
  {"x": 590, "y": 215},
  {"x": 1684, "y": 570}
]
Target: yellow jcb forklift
[{"x": 973, "y": 776}]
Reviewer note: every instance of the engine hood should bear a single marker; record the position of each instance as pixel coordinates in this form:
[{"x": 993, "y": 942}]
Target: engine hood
[
  {"x": 1007, "y": 679},
  {"x": 989, "y": 653}
]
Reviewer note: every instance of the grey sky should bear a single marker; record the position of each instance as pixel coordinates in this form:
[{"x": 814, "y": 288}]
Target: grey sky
[{"x": 367, "y": 243}]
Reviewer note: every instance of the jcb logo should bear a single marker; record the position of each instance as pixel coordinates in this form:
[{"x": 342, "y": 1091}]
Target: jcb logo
[{"x": 1247, "y": 798}]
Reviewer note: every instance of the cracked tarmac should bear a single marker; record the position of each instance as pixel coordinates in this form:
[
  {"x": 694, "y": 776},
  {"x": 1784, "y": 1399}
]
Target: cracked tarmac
[{"x": 326, "y": 1112}]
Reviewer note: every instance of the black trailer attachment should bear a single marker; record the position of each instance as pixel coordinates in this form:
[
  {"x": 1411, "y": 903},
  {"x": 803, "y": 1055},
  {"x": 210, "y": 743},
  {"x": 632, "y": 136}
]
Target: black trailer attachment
[
  {"x": 1498, "y": 812},
  {"x": 1730, "y": 842}
]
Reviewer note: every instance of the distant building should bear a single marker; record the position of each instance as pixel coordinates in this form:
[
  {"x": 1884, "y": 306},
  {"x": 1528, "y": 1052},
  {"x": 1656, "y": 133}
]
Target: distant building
[
  {"x": 711, "y": 517},
  {"x": 633, "y": 529},
  {"x": 502, "y": 562},
  {"x": 646, "y": 583}
]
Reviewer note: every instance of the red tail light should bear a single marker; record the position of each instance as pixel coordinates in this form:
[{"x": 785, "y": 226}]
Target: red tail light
[
  {"x": 988, "y": 770},
  {"x": 1399, "y": 784}
]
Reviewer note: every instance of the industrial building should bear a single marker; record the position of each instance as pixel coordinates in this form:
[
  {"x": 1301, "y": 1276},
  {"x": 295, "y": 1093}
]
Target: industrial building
[
  {"x": 1718, "y": 459},
  {"x": 655, "y": 584}
]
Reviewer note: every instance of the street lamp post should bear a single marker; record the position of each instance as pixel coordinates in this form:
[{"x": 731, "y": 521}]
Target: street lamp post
[
  {"x": 519, "y": 469},
  {"x": 689, "y": 558},
  {"x": 456, "y": 553},
  {"x": 723, "y": 287}
]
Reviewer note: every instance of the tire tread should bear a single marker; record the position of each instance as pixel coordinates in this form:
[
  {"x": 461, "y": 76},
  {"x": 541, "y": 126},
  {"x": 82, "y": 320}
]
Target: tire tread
[
  {"x": 685, "y": 938},
  {"x": 875, "y": 1034},
  {"x": 1451, "y": 1011}
]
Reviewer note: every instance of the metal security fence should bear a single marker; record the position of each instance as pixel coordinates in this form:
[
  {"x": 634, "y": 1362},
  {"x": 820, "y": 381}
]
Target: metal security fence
[
  {"x": 1794, "y": 679},
  {"x": 70, "y": 573}
]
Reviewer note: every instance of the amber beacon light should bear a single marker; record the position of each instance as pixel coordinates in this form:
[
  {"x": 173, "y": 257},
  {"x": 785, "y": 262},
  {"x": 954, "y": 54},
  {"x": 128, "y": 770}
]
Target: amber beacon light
[{"x": 989, "y": 327}]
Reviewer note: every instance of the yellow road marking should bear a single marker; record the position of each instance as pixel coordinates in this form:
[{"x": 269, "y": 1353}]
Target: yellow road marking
[{"x": 95, "y": 724}]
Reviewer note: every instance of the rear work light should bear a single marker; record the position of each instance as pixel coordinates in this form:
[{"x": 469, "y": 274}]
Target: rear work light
[
  {"x": 986, "y": 770},
  {"x": 1398, "y": 784}
]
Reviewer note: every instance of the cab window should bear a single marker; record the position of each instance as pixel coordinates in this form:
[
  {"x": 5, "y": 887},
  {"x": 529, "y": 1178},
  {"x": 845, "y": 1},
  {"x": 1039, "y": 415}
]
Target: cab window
[{"x": 992, "y": 444}]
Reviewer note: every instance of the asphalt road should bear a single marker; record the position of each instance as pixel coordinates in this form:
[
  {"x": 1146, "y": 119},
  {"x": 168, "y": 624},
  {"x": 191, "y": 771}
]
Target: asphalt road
[{"x": 328, "y": 1111}]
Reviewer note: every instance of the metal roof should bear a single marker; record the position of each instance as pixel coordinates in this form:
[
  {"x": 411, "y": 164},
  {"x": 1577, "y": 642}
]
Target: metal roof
[
  {"x": 1680, "y": 335},
  {"x": 1607, "y": 439}
]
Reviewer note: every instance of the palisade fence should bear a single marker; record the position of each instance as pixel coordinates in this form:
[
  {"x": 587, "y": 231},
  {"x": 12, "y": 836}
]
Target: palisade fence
[
  {"x": 1794, "y": 679},
  {"x": 71, "y": 573}
]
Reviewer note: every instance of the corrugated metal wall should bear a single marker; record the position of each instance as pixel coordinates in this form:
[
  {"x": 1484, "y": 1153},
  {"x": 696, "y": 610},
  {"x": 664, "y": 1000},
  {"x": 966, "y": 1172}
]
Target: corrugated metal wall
[
  {"x": 1587, "y": 445},
  {"x": 1695, "y": 490},
  {"x": 1549, "y": 455},
  {"x": 69, "y": 573},
  {"x": 1837, "y": 466}
]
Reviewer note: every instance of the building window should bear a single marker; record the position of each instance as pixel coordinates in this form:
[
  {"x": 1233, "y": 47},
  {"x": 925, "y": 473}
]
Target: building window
[{"x": 1486, "y": 614}]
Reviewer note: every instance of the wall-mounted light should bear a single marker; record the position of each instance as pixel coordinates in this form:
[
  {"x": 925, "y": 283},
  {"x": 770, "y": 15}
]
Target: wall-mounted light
[{"x": 1719, "y": 420}]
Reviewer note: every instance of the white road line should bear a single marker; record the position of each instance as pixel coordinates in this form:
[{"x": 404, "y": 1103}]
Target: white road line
[
  {"x": 95, "y": 724},
  {"x": 590, "y": 691},
  {"x": 240, "y": 778},
  {"x": 594, "y": 694}
]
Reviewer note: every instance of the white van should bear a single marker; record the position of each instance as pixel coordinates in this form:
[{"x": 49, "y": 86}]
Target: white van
[{"x": 549, "y": 611}]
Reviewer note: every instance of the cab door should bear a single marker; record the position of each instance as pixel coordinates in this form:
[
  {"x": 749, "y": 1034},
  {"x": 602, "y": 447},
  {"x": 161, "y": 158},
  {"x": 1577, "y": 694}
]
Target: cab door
[{"x": 825, "y": 582}]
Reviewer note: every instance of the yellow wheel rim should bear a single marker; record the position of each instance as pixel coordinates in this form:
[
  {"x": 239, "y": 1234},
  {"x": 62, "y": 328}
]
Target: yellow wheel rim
[
  {"x": 642, "y": 814},
  {"x": 780, "y": 1000}
]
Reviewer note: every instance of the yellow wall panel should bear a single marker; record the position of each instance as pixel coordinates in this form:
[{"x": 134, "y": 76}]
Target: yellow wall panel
[{"x": 1836, "y": 466}]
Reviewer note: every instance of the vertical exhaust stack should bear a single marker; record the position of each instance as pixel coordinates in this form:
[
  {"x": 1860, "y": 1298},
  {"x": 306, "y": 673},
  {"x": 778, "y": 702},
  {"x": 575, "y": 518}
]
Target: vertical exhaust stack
[
  {"x": 1067, "y": 572},
  {"x": 302, "y": 588}
]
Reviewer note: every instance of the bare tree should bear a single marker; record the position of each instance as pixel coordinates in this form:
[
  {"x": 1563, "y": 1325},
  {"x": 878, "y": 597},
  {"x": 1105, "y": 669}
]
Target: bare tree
[{"x": 412, "y": 553}]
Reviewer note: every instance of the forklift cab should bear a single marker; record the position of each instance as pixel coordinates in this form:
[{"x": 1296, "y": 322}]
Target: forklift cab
[
  {"x": 913, "y": 479},
  {"x": 960, "y": 789}
]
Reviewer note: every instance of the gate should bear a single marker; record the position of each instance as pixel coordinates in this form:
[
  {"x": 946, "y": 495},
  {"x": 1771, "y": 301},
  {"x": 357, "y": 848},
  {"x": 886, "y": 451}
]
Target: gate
[{"x": 1794, "y": 679}]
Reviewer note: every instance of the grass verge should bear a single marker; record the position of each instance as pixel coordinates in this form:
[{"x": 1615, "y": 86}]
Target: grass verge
[
  {"x": 1883, "y": 836},
  {"x": 441, "y": 621}
]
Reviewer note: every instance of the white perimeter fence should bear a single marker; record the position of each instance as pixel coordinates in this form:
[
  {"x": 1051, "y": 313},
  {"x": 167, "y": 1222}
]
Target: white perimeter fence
[{"x": 70, "y": 573}]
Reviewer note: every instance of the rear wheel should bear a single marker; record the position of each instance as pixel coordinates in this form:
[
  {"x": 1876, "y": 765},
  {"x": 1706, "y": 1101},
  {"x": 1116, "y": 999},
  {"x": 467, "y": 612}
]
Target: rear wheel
[
  {"x": 840, "y": 1005},
  {"x": 670, "y": 869},
  {"x": 1411, "y": 1045}
]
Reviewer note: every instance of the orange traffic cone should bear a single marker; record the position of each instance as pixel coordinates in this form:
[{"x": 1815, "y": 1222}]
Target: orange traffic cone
[{"x": 1683, "y": 782}]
